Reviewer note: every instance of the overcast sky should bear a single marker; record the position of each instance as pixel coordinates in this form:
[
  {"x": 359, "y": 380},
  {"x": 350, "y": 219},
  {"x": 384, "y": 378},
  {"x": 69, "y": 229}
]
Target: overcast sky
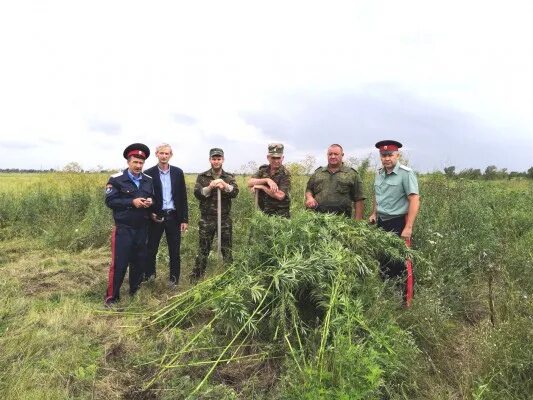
[{"x": 80, "y": 80}]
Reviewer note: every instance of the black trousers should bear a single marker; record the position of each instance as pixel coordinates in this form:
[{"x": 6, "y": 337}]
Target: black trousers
[
  {"x": 171, "y": 227},
  {"x": 128, "y": 248},
  {"x": 389, "y": 268}
]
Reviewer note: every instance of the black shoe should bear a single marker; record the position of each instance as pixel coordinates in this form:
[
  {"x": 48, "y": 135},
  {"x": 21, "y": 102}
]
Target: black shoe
[
  {"x": 194, "y": 277},
  {"x": 109, "y": 303},
  {"x": 172, "y": 285},
  {"x": 149, "y": 278}
]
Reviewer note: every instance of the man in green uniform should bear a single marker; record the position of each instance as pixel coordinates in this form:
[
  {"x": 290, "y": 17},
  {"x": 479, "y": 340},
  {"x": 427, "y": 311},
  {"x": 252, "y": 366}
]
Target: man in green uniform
[
  {"x": 205, "y": 190},
  {"x": 336, "y": 187},
  {"x": 396, "y": 201},
  {"x": 272, "y": 184}
]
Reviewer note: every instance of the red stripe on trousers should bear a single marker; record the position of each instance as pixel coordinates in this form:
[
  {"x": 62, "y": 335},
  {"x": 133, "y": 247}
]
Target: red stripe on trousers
[
  {"x": 409, "y": 283},
  {"x": 111, "y": 278}
]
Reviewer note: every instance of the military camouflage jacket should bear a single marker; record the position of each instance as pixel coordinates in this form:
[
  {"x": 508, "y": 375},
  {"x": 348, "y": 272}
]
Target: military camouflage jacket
[
  {"x": 208, "y": 205},
  {"x": 337, "y": 189},
  {"x": 268, "y": 204}
]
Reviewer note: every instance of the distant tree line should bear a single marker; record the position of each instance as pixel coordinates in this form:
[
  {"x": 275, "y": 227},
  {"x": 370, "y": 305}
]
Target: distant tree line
[
  {"x": 491, "y": 173},
  {"x": 71, "y": 167},
  {"x": 306, "y": 166},
  {"x": 25, "y": 171}
]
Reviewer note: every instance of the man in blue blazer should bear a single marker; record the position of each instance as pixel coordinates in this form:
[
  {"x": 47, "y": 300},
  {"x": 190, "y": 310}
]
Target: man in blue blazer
[{"x": 171, "y": 214}]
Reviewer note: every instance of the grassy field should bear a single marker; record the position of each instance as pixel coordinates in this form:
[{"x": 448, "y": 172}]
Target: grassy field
[{"x": 250, "y": 331}]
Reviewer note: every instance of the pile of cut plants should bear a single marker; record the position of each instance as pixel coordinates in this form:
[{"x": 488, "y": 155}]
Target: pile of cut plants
[{"x": 300, "y": 313}]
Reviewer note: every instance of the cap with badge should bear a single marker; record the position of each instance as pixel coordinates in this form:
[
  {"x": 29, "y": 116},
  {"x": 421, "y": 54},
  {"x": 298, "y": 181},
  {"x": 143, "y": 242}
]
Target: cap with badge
[
  {"x": 138, "y": 150},
  {"x": 216, "y": 152},
  {"x": 275, "y": 149},
  {"x": 388, "y": 146}
]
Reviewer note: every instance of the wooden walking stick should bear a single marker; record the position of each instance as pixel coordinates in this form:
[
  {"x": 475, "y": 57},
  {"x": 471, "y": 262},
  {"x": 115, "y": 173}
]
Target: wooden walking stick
[
  {"x": 219, "y": 224},
  {"x": 256, "y": 193}
]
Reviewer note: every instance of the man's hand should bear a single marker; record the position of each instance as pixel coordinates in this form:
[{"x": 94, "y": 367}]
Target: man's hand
[
  {"x": 155, "y": 219},
  {"x": 141, "y": 202},
  {"x": 372, "y": 219},
  {"x": 184, "y": 227},
  {"x": 218, "y": 184},
  {"x": 407, "y": 232},
  {"x": 310, "y": 202},
  {"x": 272, "y": 185}
]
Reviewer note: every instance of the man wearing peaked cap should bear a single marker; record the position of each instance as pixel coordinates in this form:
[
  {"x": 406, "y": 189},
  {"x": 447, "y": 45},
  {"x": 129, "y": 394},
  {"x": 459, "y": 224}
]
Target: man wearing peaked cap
[
  {"x": 138, "y": 150},
  {"x": 272, "y": 184},
  {"x": 129, "y": 194},
  {"x": 388, "y": 146},
  {"x": 205, "y": 190},
  {"x": 396, "y": 201},
  {"x": 216, "y": 152}
]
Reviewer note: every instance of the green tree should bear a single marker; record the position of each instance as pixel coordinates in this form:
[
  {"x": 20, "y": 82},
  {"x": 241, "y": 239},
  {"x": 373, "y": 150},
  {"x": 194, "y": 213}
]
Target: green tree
[
  {"x": 308, "y": 163},
  {"x": 491, "y": 172},
  {"x": 450, "y": 171},
  {"x": 470, "y": 173},
  {"x": 73, "y": 166}
]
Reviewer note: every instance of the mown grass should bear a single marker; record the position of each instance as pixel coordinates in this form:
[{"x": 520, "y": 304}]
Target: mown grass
[{"x": 467, "y": 335}]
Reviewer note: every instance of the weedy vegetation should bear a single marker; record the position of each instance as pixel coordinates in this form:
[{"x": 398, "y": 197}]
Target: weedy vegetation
[{"x": 300, "y": 314}]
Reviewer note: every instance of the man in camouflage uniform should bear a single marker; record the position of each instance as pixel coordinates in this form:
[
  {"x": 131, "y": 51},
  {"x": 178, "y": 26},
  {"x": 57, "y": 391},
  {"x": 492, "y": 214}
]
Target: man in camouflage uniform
[
  {"x": 334, "y": 188},
  {"x": 205, "y": 190},
  {"x": 272, "y": 184}
]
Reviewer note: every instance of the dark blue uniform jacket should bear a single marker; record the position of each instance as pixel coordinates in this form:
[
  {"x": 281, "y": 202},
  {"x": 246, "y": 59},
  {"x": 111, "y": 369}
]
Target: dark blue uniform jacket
[{"x": 120, "y": 192}]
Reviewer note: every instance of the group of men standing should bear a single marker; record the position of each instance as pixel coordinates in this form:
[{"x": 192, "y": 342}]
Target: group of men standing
[{"x": 147, "y": 204}]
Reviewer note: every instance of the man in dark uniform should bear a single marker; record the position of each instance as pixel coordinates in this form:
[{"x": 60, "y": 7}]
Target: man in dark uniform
[
  {"x": 129, "y": 194},
  {"x": 272, "y": 184},
  {"x": 396, "y": 203},
  {"x": 170, "y": 213},
  {"x": 334, "y": 188},
  {"x": 205, "y": 190}
]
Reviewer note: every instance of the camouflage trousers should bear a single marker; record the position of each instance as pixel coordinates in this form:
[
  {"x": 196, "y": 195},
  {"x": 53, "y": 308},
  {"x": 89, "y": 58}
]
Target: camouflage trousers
[{"x": 206, "y": 234}]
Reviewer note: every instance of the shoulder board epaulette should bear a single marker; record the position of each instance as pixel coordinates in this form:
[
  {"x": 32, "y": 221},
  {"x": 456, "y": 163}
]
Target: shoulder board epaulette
[
  {"x": 318, "y": 169},
  {"x": 148, "y": 176},
  {"x": 117, "y": 174},
  {"x": 405, "y": 167},
  {"x": 263, "y": 166}
]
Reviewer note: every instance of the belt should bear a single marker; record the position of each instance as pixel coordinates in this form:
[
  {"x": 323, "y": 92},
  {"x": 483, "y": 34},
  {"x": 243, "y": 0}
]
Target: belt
[{"x": 169, "y": 212}]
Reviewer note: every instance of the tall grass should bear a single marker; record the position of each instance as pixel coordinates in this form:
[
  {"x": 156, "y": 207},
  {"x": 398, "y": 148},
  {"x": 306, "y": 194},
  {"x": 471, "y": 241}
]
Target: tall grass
[{"x": 287, "y": 315}]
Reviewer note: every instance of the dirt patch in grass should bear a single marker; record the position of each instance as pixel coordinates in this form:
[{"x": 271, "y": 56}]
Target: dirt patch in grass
[
  {"x": 45, "y": 275},
  {"x": 241, "y": 375},
  {"x": 115, "y": 352},
  {"x": 139, "y": 394},
  {"x": 13, "y": 250}
]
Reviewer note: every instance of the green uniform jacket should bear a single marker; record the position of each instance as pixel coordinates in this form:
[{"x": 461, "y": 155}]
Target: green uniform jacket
[
  {"x": 339, "y": 189},
  {"x": 392, "y": 190},
  {"x": 268, "y": 204},
  {"x": 208, "y": 205}
]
